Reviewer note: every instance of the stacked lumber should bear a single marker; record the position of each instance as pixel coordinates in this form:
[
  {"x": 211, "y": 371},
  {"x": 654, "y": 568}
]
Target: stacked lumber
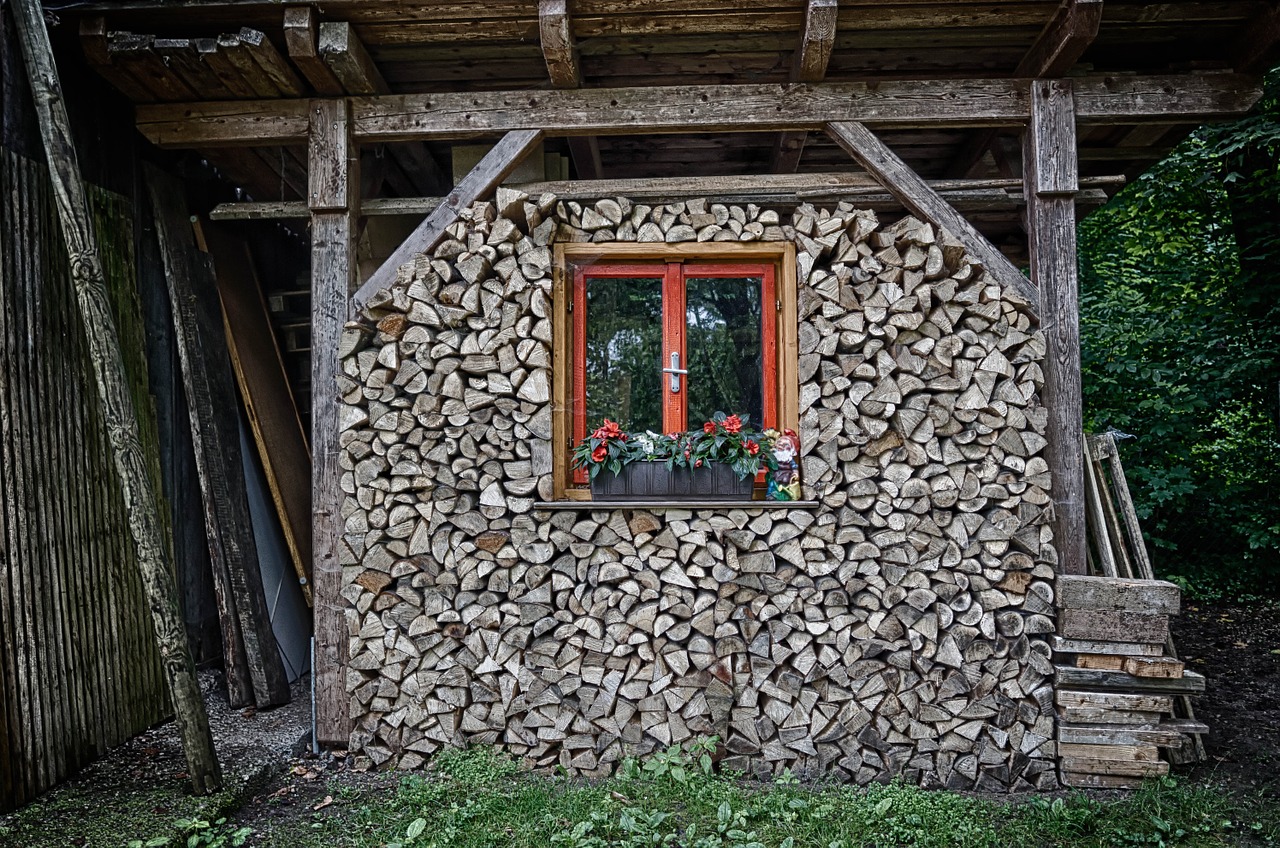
[
  {"x": 900, "y": 628},
  {"x": 1115, "y": 685}
]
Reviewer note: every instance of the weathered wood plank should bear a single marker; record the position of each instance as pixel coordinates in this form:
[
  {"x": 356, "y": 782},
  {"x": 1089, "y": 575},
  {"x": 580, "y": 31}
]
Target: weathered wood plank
[
  {"x": 348, "y": 60},
  {"x": 1093, "y": 734},
  {"x": 484, "y": 177},
  {"x": 1167, "y": 667},
  {"x": 1063, "y": 40},
  {"x": 1078, "y": 591},
  {"x": 273, "y": 65},
  {"x": 915, "y": 194},
  {"x": 1086, "y": 678},
  {"x": 558, "y": 47},
  {"x": 117, "y": 407},
  {"x": 1113, "y": 626},
  {"x": 703, "y": 109},
  {"x": 264, "y": 389},
  {"x": 334, "y": 168},
  {"x": 1093, "y": 646},
  {"x": 1094, "y": 765},
  {"x": 207, "y": 376},
  {"x": 1135, "y": 752},
  {"x": 1119, "y": 701}
]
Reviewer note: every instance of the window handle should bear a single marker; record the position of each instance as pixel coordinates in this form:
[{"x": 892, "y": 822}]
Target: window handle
[{"x": 675, "y": 371}]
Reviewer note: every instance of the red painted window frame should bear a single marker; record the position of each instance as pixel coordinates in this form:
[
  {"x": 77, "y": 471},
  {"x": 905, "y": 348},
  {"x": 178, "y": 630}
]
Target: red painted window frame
[{"x": 674, "y": 274}]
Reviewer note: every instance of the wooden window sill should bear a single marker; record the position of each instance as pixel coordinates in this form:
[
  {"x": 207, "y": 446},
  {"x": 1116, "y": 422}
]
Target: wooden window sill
[{"x": 709, "y": 503}]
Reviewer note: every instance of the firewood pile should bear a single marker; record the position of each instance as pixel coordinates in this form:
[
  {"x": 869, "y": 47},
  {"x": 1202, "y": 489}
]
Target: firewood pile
[
  {"x": 1116, "y": 685},
  {"x": 900, "y": 628}
]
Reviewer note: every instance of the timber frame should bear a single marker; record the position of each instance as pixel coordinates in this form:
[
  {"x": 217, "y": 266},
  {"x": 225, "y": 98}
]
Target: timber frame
[{"x": 829, "y": 91}]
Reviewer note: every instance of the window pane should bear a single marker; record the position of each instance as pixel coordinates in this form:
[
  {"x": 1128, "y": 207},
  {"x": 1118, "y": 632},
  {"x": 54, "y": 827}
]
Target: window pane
[
  {"x": 724, "y": 347},
  {"x": 624, "y": 343}
]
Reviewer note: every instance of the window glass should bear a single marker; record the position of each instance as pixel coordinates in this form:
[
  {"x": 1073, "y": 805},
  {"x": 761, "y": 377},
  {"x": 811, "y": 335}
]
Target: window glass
[
  {"x": 623, "y": 351},
  {"x": 724, "y": 347}
]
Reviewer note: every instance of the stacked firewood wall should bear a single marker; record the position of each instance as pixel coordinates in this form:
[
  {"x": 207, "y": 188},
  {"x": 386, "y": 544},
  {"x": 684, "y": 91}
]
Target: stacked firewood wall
[{"x": 899, "y": 628}]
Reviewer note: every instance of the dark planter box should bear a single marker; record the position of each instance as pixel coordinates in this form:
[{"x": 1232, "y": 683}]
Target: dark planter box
[{"x": 651, "y": 481}]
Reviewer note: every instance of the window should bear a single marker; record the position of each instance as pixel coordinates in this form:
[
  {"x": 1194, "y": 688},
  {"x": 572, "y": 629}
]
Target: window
[{"x": 660, "y": 337}]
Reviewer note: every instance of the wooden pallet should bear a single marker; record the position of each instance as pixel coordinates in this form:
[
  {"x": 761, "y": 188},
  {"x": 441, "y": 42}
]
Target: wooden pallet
[{"x": 1117, "y": 549}]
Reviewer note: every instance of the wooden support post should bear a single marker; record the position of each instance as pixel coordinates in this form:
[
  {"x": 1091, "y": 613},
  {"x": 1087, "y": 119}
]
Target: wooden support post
[
  {"x": 496, "y": 166},
  {"x": 1050, "y": 182},
  {"x": 916, "y": 194},
  {"x": 817, "y": 38},
  {"x": 334, "y": 198},
  {"x": 215, "y": 430},
  {"x": 118, "y": 412}
]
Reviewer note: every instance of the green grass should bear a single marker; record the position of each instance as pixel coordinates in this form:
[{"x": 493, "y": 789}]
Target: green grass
[{"x": 479, "y": 798}]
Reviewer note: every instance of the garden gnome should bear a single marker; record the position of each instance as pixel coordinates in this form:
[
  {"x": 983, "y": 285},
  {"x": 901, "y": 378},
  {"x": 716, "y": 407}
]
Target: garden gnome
[{"x": 785, "y": 485}]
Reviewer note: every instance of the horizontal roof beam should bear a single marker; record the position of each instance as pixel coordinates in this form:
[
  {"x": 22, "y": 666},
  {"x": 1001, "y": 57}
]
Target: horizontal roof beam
[{"x": 701, "y": 109}]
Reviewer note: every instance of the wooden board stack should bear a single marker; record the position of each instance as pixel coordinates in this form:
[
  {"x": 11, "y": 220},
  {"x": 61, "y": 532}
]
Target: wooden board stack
[{"x": 1115, "y": 685}]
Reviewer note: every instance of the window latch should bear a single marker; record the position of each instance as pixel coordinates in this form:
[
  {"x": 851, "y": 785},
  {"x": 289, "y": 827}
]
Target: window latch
[{"x": 675, "y": 371}]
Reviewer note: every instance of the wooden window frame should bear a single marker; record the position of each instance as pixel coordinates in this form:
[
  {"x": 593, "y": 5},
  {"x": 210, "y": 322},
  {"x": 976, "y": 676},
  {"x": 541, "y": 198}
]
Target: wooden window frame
[{"x": 571, "y": 258}]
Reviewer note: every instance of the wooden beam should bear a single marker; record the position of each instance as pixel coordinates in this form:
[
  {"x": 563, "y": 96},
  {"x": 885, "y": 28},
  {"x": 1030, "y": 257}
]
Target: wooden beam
[
  {"x": 916, "y": 195},
  {"x": 115, "y": 402},
  {"x": 1063, "y": 40},
  {"x": 93, "y": 40},
  {"x": 1049, "y": 171},
  {"x": 558, "y": 47},
  {"x": 817, "y": 38},
  {"x": 496, "y": 165},
  {"x": 1257, "y": 50},
  {"x": 1055, "y": 51},
  {"x": 273, "y": 65},
  {"x": 763, "y": 189},
  {"x": 703, "y": 109},
  {"x": 334, "y": 165},
  {"x": 301, "y": 39},
  {"x": 346, "y": 57},
  {"x": 561, "y": 55}
]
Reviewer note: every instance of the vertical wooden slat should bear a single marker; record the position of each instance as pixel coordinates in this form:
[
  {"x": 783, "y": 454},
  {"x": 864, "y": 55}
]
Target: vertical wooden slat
[
  {"x": 334, "y": 199},
  {"x": 1098, "y": 523},
  {"x": 1049, "y": 186}
]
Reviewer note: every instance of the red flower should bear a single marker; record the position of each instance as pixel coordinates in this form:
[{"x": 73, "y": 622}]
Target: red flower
[
  {"x": 752, "y": 447},
  {"x": 599, "y": 454},
  {"x": 709, "y": 427},
  {"x": 698, "y": 464},
  {"x": 608, "y": 430},
  {"x": 733, "y": 424}
]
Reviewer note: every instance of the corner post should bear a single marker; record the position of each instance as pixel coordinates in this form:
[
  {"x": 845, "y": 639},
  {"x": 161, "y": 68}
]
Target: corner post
[
  {"x": 1050, "y": 182},
  {"x": 333, "y": 198}
]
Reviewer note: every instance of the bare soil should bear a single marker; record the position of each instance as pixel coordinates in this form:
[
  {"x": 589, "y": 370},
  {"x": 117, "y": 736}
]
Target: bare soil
[{"x": 1237, "y": 649}]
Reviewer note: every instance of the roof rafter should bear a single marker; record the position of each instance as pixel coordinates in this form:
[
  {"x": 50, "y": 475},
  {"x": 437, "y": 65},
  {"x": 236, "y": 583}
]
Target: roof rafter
[
  {"x": 1258, "y": 50},
  {"x": 1055, "y": 51},
  {"x": 817, "y": 39},
  {"x": 560, "y": 52}
]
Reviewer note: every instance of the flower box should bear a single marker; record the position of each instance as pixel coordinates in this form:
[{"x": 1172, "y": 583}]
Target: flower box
[{"x": 652, "y": 481}]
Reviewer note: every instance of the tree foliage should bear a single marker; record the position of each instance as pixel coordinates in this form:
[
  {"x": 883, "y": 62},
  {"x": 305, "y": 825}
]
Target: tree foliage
[{"x": 1180, "y": 277}]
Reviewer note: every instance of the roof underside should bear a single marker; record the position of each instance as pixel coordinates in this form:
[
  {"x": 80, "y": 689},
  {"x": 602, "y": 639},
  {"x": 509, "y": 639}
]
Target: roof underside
[{"x": 450, "y": 46}]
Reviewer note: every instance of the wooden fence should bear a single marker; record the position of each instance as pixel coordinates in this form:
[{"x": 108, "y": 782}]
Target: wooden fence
[{"x": 79, "y": 671}]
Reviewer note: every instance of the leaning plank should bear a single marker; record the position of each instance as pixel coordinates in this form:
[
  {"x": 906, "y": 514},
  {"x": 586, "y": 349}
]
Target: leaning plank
[
  {"x": 496, "y": 165},
  {"x": 1101, "y": 593},
  {"x": 1114, "y": 625},
  {"x": 1119, "y": 681},
  {"x": 206, "y": 373},
  {"x": 915, "y": 194},
  {"x": 702, "y": 108},
  {"x": 264, "y": 389},
  {"x": 117, "y": 408}
]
